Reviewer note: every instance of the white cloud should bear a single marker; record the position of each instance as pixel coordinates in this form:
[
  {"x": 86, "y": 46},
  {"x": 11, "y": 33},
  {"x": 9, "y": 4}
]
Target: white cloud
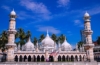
[
  {"x": 49, "y": 28},
  {"x": 38, "y": 8},
  {"x": 62, "y": 3},
  {"x": 78, "y": 23},
  {"x": 6, "y": 7}
]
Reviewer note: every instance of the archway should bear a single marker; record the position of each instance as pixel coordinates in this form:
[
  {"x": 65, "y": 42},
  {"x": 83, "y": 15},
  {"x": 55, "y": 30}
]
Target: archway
[
  {"x": 63, "y": 58},
  {"x": 34, "y": 58},
  {"x": 67, "y": 58},
  {"x": 51, "y": 59},
  {"x": 59, "y": 58},
  {"x": 38, "y": 58},
  {"x": 72, "y": 58},
  {"x": 80, "y": 58},
  {"x": 16, "y": 58},
  {"x": 76, "y": 58},
  {"x": 29, "y": 58},
  {"x": 42, "y": 58},
  {"x": 20, "y": 58},
  {"x": 25, "y": 58}
]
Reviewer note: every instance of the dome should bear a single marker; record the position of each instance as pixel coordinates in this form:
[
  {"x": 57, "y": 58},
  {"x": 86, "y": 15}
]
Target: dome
[
  {"x": 86, "y": 14},
  {"x": 47, "y": 41},
  {"x": 29, "y": 46},
  {"x": 13, "y": 12},
  {"x": 66, "y": 46}
]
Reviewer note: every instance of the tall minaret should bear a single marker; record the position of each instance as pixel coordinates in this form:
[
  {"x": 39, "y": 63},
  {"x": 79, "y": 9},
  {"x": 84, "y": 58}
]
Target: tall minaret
[
  {"x": 88, "y": 37},
  {"x": 11, "y": 36}
]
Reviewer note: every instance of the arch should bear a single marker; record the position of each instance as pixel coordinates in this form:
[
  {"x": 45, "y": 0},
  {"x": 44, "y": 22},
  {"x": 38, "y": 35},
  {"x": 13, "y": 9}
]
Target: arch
[
  {"x": 34, "y": 58},
  {"x": 42, "y": 58},
  {"x": 80, "y": 58},
  {"x": 20, "y": 58},
  {"x": 25, "y": 58},
  {"x": 38, "y": 58},
  {"x": 67, "y": 58},
  {"x": 59, "y": 58},
  {"x": 51, "y": 59},
  {"x": 16, "y": 58},
  {"x": 63, "y": 58},
  {"x": 72, "y": 58},
  {"x": 76, "y": 58},
  {"x": 29, "y": 58}
]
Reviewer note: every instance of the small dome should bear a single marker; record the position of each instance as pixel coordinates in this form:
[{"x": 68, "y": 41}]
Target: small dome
[
  {"x": 66, "y": 46},
  {"x": 29, "y": 46},
  {"x": 47, "y": 41},
  {"x": 86, "y": 14},
  {"x": 13, "y": 12}
]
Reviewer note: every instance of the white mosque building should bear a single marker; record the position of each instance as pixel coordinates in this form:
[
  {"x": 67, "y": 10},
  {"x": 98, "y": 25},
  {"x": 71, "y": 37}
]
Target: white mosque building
[{"x": 48, "y": 50}]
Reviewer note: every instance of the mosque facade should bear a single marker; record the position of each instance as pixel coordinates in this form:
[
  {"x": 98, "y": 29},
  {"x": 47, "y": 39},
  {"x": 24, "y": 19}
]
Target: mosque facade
[{"x": 48, "y": 50}]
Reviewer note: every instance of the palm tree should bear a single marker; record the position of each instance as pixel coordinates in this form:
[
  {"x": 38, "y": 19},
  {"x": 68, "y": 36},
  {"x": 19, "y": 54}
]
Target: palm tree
[
  {"x": 28, "y": 34},
  {"x": 54, "y": 37},
  {"x": 41, "y": 37},
  {"x": 80, "y": 44},
  {"x": 98, "y": 40},
  {"x": 22, "y": 36},
  {"x": 61, "y": 38},
  {"x": 35, "y": 40},
  {"x": 3, "y": 39}
]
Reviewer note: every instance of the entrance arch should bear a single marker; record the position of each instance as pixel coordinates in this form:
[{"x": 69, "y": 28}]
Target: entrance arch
[
  {"x": 76, "y": 58},
  {"x": 34, "y": 58},
  {"x": 59, "y": 58},
  {"x": 42, "y": 58},
  {"x": 20, "y": 58},
  {"x": 29, "y": 58},
  {"x": 63, "y": 58},
  {"x": 72, "y": 58},
  {"x": 25, "y": 58},
  {"x": 51, "y": 59},
  {"x": 16, "y": 58},
  {"x": 38, "y": 58}
]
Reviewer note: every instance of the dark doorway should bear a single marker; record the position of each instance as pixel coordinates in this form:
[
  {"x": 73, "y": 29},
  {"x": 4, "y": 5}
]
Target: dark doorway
[
  {"x": 34, "y": 58},
  {"x": 80, "y": 58},
  {"x": 51, "y": 59},
  {"x": 16, "y": 58},
  {"x": 42, "y": 58},
  {"x": 67, "y": 58},
  {"x": 76, "y": 58},
  {"x": 38, "y": 58},
  {"x": 72, "y": 58},
  {"x": 59, "y": 58},
  {"x": 63, "y": 58},
  {"x": 20, "y": 58},
  {"x": 29, "y": 58},
  {"x": 25, "y": 58}
]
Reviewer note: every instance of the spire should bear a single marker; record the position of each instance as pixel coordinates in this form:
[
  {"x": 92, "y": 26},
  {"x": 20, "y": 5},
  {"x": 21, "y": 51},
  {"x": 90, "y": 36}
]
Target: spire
[
  {"x": 37, "y": 44},
  {"x": 47, "y": 33},
  {"x": 59, "y": 44},
  {"x": 65, "y": 39},
  {"x": 19, "y": 46},
  {"x": 29, "y": 40}
]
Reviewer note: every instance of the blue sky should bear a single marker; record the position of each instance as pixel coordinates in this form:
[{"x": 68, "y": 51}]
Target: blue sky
[{"x": 58, "y": 16}]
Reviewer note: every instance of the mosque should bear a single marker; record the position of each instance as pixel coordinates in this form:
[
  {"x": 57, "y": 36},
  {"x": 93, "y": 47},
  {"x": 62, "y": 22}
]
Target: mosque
[{"x": 48, "y": 50}]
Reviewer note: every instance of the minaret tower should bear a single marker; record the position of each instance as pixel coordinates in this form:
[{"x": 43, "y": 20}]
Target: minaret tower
[
  {"x": 11, "y": 36},
  {"x": 88, "y": 37}
]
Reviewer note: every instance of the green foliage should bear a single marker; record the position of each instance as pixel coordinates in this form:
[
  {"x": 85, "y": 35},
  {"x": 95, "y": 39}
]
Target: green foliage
[{"x": 98, "y": 40}]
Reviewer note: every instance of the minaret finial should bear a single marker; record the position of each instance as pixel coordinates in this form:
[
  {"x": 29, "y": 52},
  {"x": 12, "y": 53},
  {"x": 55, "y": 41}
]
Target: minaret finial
[{"x": 47, "y": 33}]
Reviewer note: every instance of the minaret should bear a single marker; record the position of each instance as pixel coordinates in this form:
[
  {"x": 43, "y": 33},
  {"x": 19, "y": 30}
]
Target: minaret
[
  {"x": 88, "y": 37},
  {"x": 11, "y": 36}
]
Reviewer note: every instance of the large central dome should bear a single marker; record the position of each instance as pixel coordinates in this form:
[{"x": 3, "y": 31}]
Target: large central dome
[{"x": 47, "y": 41}]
